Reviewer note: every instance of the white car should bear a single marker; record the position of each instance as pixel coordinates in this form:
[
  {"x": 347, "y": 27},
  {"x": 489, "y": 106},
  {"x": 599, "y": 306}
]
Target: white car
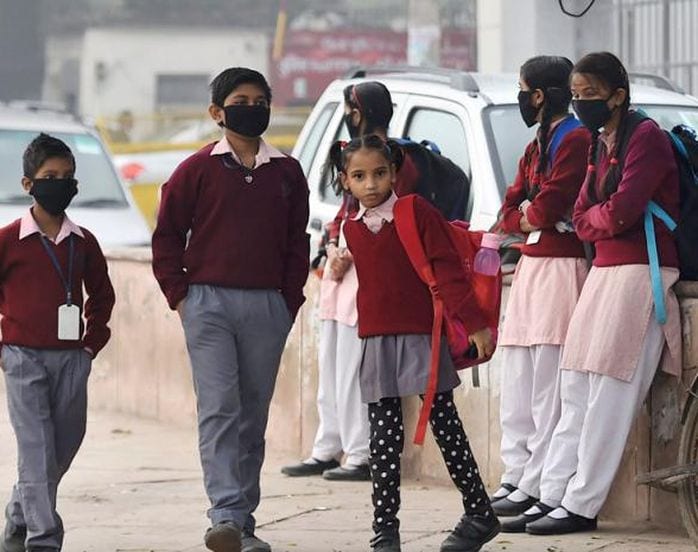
[
  {"x": 103, "y": 205},
  {"x": 473, "y": 118}
]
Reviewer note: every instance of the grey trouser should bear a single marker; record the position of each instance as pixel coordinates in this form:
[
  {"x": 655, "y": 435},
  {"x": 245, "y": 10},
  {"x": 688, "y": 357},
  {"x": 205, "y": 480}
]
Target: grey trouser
[
  {"x": 235, "y": 338},
  {"x": 47, "y": 401}
]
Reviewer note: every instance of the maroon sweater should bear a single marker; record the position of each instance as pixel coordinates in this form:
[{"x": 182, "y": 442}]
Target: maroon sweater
[
  {"x": 392, "y": 300},
  {"x": 559, "y": 188},
  {"x": 31, "y": 291},
  {"x": 250, "y": 236},
  {"x": 616, "y": 225}
]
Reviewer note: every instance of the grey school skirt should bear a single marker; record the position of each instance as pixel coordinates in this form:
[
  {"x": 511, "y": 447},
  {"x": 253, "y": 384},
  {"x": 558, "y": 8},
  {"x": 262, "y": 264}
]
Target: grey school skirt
[{"x": 398, "y": 366}]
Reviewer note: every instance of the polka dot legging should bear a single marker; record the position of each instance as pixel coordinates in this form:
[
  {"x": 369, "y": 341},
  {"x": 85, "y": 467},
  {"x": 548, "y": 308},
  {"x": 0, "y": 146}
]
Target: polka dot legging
[{"x": 387, "y": 440}]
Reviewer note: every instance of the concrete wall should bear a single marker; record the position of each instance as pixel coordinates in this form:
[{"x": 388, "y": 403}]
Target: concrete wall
[
  {"x": 119, "y": 66},
  {"x": 144, "y": 370}
]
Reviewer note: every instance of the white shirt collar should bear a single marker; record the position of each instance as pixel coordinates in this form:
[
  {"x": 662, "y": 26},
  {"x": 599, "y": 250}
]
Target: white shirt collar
[
  {"x": 265, "y": 153},
  {"x": 29, "y": 227}
]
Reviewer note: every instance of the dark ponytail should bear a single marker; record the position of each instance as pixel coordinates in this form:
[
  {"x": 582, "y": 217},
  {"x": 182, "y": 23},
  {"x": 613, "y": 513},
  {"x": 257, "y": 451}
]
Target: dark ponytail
[
  {"x": 607, "y": 68},
  {"x": 551, "y": 74}
]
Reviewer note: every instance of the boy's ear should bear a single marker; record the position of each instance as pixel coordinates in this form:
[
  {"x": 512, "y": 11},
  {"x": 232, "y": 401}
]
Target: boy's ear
[
  {"x": 217, "y": 114},
  {"x": 27, "y": 183}
]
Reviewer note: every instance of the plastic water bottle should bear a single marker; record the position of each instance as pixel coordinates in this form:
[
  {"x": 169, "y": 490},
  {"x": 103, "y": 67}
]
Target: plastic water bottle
[{"x": 487, "y": 260}]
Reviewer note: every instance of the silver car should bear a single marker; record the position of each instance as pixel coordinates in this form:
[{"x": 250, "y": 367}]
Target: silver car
[{"x": 102, "y": 205}]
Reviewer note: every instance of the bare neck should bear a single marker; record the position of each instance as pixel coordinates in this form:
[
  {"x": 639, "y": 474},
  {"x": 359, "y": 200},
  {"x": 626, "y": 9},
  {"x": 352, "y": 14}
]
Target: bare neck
[
  {"x": 49, "y": 224},
  {"x": 245, "y": 147}
]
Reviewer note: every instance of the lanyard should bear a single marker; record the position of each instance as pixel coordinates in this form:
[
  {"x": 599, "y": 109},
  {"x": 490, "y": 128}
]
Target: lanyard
[{"x": 71, "y": 254}]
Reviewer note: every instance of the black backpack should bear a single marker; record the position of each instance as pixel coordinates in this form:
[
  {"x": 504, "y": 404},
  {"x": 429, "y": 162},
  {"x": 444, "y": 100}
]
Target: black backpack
[{"x": 441, "y": 181}]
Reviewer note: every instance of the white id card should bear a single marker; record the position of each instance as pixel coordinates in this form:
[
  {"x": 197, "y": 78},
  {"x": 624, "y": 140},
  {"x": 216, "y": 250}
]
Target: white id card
[
  {"x": 533, "y": 238},
  {"x": 69, "y": 322}
]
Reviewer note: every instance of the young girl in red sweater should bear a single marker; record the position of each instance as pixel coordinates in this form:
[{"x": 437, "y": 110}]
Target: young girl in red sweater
[{"x": 395, "y": 322}]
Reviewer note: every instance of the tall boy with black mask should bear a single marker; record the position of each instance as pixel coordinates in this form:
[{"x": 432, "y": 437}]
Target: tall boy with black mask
[
  {"x": 45, "y": 262},
  {"x": 230, "y": 252}
]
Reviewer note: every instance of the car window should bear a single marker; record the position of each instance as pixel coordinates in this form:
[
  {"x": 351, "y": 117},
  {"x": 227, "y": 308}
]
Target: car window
[
  {"x": 98, "y": 184},
  {"x": 445, "y": 130},
  {"x": 668, "y": 116},
  {"x": 307, "y": 154}
]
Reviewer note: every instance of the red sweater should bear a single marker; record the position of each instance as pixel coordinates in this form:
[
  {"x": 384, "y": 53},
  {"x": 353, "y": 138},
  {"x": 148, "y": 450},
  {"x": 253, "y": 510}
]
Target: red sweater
[
  {"x": 214, "y": 228},
  {"x": 31, "y": 291},
  {"x": 559, "y": 188},
  {"x": 392, "y": 300},
  {"x": 616, "y": 225}
]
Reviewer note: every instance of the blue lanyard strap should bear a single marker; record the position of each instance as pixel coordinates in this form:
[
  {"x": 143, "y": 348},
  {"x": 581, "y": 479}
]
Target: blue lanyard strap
[{"x": 71, "y": 255}]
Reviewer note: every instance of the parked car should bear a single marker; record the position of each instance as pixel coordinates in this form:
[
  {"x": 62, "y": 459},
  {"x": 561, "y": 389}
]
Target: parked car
[
  {"x": 472, "y": 117},
  {"x": 103, "y": 204}
]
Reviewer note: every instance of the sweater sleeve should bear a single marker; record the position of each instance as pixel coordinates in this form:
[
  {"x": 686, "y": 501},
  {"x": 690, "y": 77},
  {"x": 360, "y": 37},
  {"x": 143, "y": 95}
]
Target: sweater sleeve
[
  {"x": 558, "y": 192},
  {"x": 516, "y": 193},
  {"x": 297, "y": 262},
  {"x": 100, "y": 296},
  {"x": 169, "y": 241},
  {"x": 648, "y": 162},
  {"x": 456, "y": 289}
]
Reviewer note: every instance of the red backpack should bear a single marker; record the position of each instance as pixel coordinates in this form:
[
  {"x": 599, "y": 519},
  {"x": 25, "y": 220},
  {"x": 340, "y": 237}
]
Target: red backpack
[{"x": 487, "y": 290}]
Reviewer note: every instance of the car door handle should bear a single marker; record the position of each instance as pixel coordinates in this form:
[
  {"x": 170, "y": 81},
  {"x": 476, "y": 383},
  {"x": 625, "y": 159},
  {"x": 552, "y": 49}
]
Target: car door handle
[{"x": 316, "y": 224}]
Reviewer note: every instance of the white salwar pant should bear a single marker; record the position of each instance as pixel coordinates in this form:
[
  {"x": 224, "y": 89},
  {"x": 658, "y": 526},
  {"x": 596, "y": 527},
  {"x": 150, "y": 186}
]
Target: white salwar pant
[
  {"x": 529, "y": 410},
  {"x": 595, "y": 421},
  {"x": 343, "y": 417}
]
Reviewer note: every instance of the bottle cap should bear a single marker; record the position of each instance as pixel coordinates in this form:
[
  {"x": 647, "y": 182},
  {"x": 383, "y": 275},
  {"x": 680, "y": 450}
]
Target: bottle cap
[{"x": 491, "y": 241}]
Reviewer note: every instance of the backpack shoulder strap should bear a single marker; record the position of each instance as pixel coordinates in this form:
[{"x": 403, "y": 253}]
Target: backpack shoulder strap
[
  {"x": 653, "y": 209},
  {"x": 568, "y": 125},
  {"x": 408, "y": 232}
]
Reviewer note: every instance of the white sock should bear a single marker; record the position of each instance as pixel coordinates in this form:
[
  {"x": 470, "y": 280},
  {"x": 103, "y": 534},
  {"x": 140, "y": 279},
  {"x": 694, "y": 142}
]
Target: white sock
[
  {"x": 501, "y": 493},
  {"x": 518, "y": 496},
  {"x": 559, "y": 513},
  {"x": 533, "y": 510}
]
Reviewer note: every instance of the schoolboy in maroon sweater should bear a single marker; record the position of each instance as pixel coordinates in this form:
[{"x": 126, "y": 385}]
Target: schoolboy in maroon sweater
[
  {"x": 47, "y": 350},
  {"x": 231, "y": 254}
]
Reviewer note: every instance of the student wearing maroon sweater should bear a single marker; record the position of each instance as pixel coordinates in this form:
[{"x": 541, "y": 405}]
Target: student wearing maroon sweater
[
  {"x": 47, "y": 350},
  {"x": 614, "y": 343},
  {"x": 547, "y": 282},
  {"x": 395, "y": 322},
  {"x": 230, "y": 252}
]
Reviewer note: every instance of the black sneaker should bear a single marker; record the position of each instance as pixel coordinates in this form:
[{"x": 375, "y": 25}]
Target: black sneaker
[
  {"x": 309, "y": 467},
  {"x": 471, "y": 533},
  {"x": 224, "y": 537},
  {"x": 505, "y": 507},
  {"x": 348, "y": 473},
  {"x": 386, "y": 540},
  {"x": 518, "y": 524},
  {"x": 252, "y": 543},
  {"x": 551, "y": 526},
  {"x": 13, "y": 541}
]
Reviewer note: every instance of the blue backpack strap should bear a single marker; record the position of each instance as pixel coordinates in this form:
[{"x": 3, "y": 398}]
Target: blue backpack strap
[
  {"x": 568, "y": 125},
  {"x": 431, "y": 145},
  {"x": 406, "y": 141},
  {"x": 654, "y": 210}
]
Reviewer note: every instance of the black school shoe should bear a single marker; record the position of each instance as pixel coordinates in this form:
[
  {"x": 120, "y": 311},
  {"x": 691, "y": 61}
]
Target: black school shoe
[
  {"x": 518, "y": 524},
  {"x": 551, "y": 526},
  {"x": 224, "y": 537},
  {"x": 471, "y": 533},
  {"x": 386, "y": 540},
  {"x": 305, "y": 469},
  {"x": 505, "y": 507},
  {"x": 348, "y": 473}
]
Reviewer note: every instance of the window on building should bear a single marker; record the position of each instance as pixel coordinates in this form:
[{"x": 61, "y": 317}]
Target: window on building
[{"x": 175, "y": 90}]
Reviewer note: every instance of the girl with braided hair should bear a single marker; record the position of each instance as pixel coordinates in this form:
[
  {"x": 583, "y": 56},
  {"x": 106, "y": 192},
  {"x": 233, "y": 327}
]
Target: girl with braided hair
[
  {"x": 614, "y": 342},
  {"x": 547, "y": 282}
]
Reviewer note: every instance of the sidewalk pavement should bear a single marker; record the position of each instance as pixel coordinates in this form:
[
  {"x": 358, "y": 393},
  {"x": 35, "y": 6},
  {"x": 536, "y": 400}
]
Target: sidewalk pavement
[{"x": 136, "y": 487}]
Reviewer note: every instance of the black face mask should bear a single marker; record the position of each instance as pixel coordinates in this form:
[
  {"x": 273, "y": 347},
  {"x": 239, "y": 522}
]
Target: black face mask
[
  {"x": 351, "y": 127},
  {"x": 54, "y": 194},
  {"x": 592, "y": 113},
  {"x": 247, "y": 120},
  {"x": 528, "y": 112}
]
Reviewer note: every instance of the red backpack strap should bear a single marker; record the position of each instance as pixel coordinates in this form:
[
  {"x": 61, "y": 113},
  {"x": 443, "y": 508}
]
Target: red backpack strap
[{"x": 406, "y": 226}]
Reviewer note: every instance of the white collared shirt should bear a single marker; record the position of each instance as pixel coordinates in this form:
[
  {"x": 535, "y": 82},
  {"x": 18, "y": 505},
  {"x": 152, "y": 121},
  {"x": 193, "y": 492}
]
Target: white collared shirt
[
  {"x": 374, "y": 217},
  {"x": 29, "y": 227},
  {"x": 265, "y": 153}
]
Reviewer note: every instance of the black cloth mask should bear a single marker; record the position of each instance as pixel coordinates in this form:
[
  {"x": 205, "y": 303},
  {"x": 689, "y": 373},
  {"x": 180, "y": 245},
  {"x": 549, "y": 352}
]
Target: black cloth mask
[
  {"x": 351, "y": 127},
  {"x": 247, "y": 120},
  {"x": 528, "y": 111},
  {"x": 593, "y": 113},
  {"x": 54, "y": 194}
]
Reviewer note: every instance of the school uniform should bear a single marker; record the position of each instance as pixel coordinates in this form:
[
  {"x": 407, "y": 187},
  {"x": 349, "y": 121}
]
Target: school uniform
[
  {"x": 46, "y": 376},
  {"x": 614, "y": 343},
  {"x": 546, "y": 286},
  {"x": 395, "y": 322},
  {"x": 231, "y": 243},
  {"x": 343, "y": 416}
]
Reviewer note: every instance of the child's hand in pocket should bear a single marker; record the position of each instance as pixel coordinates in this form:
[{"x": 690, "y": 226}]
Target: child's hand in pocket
[{"x": 482, "y": 339}]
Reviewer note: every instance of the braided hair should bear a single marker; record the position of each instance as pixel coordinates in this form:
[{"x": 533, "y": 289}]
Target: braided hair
[
  {"x": 609, "y": 70},
  {"x": 373, "y": 100},
  {"x": 551, "y": 74}
]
